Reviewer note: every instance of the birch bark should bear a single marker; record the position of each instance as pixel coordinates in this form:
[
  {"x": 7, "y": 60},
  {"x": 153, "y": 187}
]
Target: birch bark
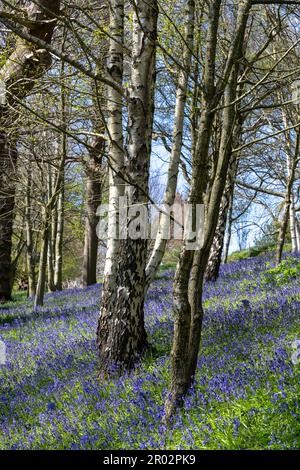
[{"x": 121, "y": 331}]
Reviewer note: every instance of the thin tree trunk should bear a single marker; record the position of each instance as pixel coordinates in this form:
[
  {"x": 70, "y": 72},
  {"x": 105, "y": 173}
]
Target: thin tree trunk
[
  {"x": 180, "y": 380},
  {"x": 229, "y": 230},
  {"x": 170, "y": 192},
  {"x": 298, "y": 233},
  {"x": 282, "y": 230},
  {"x": 54, "y": 221},
  {"x": 292, "y": 163},
  {"x": 293, "y": 226},
  {"x": 59, "y": 239},
  {"x": 46, "y": 232},
  {"x": 50, "y": 258},
  {"x": 201, "y": 257},
  {"x": 40, "y": 289},
  {"x": 58, "y": 264},
  {"x": 30, "y": 261},
  {"x": 51, "y": 234},
  {"x": 94, "y": 179},
  {"x": 215, "y": 256}
]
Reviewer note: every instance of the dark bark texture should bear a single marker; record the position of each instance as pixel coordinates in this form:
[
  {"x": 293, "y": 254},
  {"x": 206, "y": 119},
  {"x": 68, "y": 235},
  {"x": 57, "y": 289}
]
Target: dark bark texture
[
  {"x": 188, "y": 309},
  {"x": 22, "y": 68},
  {"x": 8, "y": 160},
  {"x": 94, "y": 180}
]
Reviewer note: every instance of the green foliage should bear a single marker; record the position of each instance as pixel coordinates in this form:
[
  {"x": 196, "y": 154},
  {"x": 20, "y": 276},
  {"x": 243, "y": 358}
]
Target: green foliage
[
  {"x": 286, "y": 271},
  {"x": 255, "y": 251},
  {"x": 238, "y": 255},
  {"x": 245, "y": 254},
  {"x": 3, "y": 58}
]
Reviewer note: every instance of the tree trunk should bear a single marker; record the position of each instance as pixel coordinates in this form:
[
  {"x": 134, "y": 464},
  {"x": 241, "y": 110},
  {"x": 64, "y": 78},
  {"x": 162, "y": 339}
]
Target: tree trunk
[
  {"x": 201, "y": 256},
  {"x": 170, "y": 192},
  {"x": 188, "y": 310},
  {"x": 116, "y": 169},
  {"x": 30, "y": 261},
  {"x": 298, "y": 233},
  {"x": 293, "y": 226},
  {"x": 51, "y": 233},
  {"x": 40, "y": 289},
  {"x": 215, "y": 256},
  {"x": 14, "y": 264},
  {"x": 60, "y": 222},
  {"x": 25, "y": 64},
  {"x": 46, "y": 233},
  {"x": 59, "y": 240},
  {"x": 282, "y": 230},
  {"x": 8, "y": 159},
  {"x": 180, "y": 380},
  {"x": 121, "y": 332},
  {"x": 50, "y": 259},
  {"x": 94, "y": 179},
  {"x": 229, "y": 231},
  {"x": 292, "y": 164}
]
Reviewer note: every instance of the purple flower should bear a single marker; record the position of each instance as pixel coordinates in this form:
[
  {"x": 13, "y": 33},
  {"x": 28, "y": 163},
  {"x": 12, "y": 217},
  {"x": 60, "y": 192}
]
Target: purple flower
[{"x": 51, "y": 406}]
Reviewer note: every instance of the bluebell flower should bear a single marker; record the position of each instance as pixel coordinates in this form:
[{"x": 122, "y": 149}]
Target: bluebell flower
[{"x": 51, "y": 406}]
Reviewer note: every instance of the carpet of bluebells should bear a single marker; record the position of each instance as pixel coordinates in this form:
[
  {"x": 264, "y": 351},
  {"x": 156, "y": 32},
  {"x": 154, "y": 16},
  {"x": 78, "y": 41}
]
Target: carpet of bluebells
[{"x": 246, "y": 394}]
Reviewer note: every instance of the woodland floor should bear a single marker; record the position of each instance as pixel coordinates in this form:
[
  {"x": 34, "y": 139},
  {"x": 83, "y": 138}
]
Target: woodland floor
[{"x": 246, "y": 394}]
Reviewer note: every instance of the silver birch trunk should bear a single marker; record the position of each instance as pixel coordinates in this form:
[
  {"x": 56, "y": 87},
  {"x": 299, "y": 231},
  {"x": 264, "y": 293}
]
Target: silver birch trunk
[
  {"x": 293, "y": 226},
  {"x": 30, "y": 261},
  {"x": 51, "y": 234},
  {"x": 292, "y": 160},
  {"x": 287, "y": 205},
  {"x": 41, "y": 282},
  {"x": 60, "y": 206},
  {"x": 116, "y": 169},
  {"x": 59, "y": 240},
  {"x": 121, "y": 332}
]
